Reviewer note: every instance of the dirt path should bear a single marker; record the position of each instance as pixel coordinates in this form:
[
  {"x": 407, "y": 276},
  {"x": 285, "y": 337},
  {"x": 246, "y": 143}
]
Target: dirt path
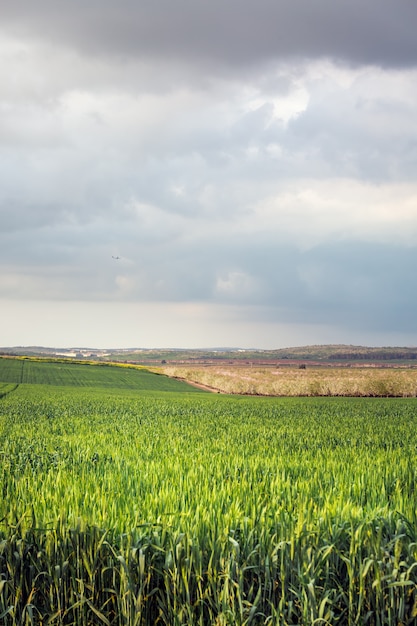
[{"x": 199, "y": 385}]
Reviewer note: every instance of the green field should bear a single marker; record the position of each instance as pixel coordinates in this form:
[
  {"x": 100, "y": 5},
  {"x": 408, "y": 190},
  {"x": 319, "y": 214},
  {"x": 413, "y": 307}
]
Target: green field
[
  {"x": 65, "y": 373},
  {"x": 132, "y": 499}
]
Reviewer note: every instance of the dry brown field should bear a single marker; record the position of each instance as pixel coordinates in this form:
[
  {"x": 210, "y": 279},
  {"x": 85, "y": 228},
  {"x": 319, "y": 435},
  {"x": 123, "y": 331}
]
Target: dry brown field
[{"x": 295, "y": 381}]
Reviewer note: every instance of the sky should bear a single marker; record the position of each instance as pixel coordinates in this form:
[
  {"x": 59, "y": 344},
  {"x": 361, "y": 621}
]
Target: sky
[{"x": 208, "y": 173}]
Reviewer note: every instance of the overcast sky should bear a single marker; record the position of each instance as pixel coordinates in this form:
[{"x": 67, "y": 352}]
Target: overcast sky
[{"x": 252, "y": 163}]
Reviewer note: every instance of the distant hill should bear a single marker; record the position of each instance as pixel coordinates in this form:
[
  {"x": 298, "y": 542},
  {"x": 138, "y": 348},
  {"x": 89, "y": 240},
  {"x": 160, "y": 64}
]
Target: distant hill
[
  {"x": 315, "y": 353},
  {"x": 348, "y": 352}
]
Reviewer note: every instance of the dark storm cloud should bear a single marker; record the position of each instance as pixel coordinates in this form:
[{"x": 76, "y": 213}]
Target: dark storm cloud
[{"x": 235, "y": 32}]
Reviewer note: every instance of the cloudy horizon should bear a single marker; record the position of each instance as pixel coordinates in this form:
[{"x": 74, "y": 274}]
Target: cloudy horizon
[{"x": 208, "y": 174}]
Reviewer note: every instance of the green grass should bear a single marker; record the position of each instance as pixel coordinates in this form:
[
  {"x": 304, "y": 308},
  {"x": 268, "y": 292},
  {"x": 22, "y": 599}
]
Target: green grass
[
  {"x": 66, "y": 373},
  {"x": 136, "y": 506},
  {"x": 154, "y": 455},
  {"x": 6, "y": 388}
]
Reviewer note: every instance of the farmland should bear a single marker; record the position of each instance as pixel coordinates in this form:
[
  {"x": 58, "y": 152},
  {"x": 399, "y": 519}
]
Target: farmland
[
  {"x": 130, "y": 498},
  {"x": 293, "y": 381},
  {"x": 33, "y": 371}
]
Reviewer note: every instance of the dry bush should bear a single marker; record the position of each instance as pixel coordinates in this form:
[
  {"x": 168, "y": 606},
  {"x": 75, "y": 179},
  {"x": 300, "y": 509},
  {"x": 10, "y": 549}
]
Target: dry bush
[{"x": 312, "y": 381}]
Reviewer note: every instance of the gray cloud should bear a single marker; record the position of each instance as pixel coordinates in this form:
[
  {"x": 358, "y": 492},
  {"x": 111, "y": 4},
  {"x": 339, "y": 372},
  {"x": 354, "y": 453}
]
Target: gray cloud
[
  {"x": 233, "y": 33},
  {"x": 253, "y": 164}
]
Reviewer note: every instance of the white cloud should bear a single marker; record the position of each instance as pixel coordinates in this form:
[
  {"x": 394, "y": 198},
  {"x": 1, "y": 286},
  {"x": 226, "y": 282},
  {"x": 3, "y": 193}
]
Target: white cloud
[
  {"x": 285, "y": 107},
  {"x": 235, "y": 285},
  {"x": 311, "y": 212}
]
